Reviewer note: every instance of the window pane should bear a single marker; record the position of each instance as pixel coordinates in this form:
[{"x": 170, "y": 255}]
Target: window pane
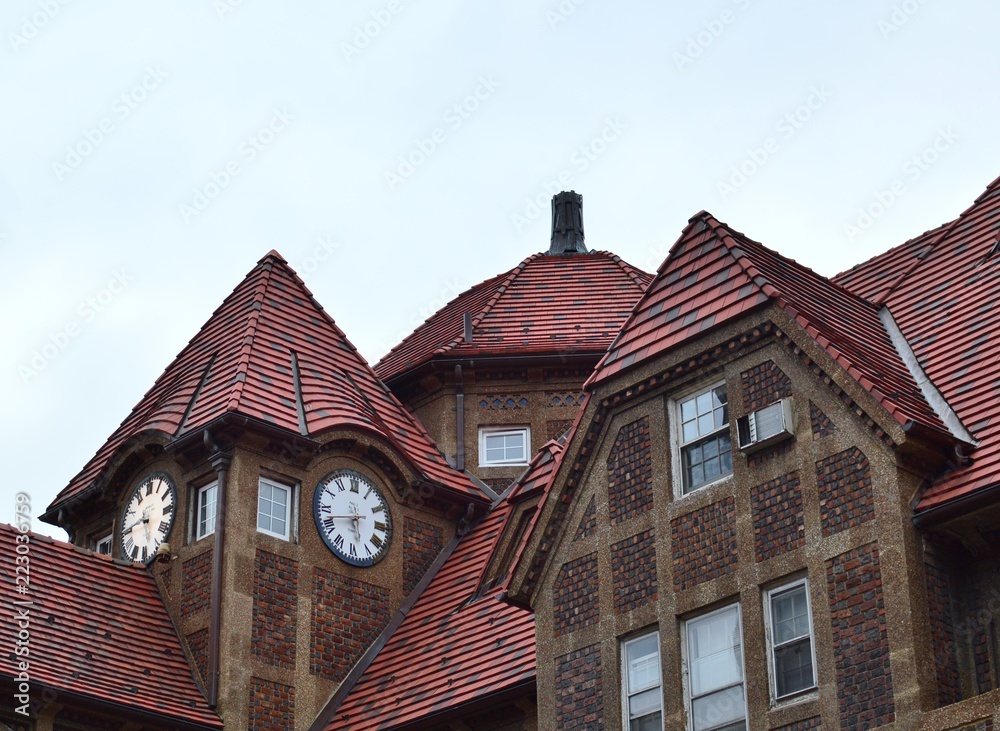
[
  {"x": 643, "y": 664},
  {"x": 716, "y": 652},
  {"x": 688, "y": 411},
  {"x": 791, "y": 615},
  {"x": 793, "y": 667},
  {"x": 707, "y": 461},
  {"x": 719, "y": 709},
  {"x": 280, "y": 497},
  {"x": 704, "y": 402},
  {"x": 651, "y": 722},
  {"x": 643, "y": 703}
]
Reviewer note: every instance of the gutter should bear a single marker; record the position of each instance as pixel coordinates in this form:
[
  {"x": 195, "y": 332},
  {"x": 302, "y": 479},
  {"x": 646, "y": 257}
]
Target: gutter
[{"x": 959, "y": 506}]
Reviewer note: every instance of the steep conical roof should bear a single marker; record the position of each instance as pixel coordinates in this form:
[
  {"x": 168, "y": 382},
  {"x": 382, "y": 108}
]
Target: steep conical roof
[
  {"x": 271, "y": 353},
  {"x": 548, "y": 304}
]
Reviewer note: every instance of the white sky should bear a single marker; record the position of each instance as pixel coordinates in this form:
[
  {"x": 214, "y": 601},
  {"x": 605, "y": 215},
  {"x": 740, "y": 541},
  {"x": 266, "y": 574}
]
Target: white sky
[{"x": 887, "y": 81}]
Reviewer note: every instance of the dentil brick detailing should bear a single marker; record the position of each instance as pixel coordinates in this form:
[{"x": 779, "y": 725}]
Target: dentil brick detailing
[
  {"x": 778, "y": 525},
  {"x": 704, "y": 543},
  {"x": 196, "y": 585},
  {"x": 575, "y": 595},
  {"x": 633, "y": 571},
  {"x": 845, "y": 491},
  {"x": 579, "y": 697},
  {"x": 630, "y": 472},
  {"x": 275, "y": 593},
  {"x": 272, "y": 706}
]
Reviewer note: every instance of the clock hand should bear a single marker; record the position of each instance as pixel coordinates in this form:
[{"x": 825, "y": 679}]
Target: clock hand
[{"x": 353, "y": 517}]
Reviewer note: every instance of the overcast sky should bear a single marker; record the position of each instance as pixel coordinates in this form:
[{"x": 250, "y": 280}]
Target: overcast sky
[{"x": 397, "y": 152}]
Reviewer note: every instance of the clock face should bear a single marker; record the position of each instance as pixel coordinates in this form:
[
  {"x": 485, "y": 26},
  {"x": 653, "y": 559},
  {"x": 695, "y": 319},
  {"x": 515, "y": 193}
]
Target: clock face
[
  {"x": 353, "y": 517},
  {"x": 148, "y": 517}
]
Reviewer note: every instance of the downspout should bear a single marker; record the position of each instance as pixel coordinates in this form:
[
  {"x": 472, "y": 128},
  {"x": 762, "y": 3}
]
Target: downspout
[
  {"x": 220, "y": 462},
  {"x": 459, "y": 420}
]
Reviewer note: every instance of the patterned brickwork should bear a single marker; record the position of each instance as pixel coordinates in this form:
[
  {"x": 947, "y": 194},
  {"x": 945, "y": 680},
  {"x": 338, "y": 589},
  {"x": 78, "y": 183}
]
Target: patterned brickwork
[
  {"x": 804, "y": 725},
  {"x": 845, "y": 491},
  {"x": 503, "y": 402},
  {"x": 942, "y": 631},
  {"x": 778, "y": 525},
  {"x": 556, "y": 428},
  {"x": 980, "y": 633},
  {"x": 275, "y": 597},
  {"x": 272, "y": 706},
  {"x": 860, "y": 640},
  {"x": 630, "y": 472},
  {"x": 508, "y": 375},
  {"x": 758, "y": 458},
  {"x": 633, "y": 571},
  {"x": 196, "y": 584},
  {"x": 198, "y": 644},
  {"x": 764, "y": 384},
  {"x": 347, "y": 615},
  {"x": 575, "y": 595},
  {"x": 588, "y": 523},
  {"x": 556, "y": 399},
  {"x": 576, "y": 374},
  {"x": 422, "y": 542},
  {"x": 821, "y": 424},
  {"x": 579, "y": 695},
  {"x": 704, "y": 544}
]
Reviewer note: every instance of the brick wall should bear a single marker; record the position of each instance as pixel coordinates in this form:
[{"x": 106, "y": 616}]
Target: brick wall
[
  {"x": 860, "y": 641},
  {"x": 821, "y": 424},
  {"x": 275, "y": 596},
  {"x": 555, "y": 428},
  {"x": 198, "y": 644},
  {"x": 575, "y": 595},
  {"x": 579, "y": 695},
  {"x": 980, "y": 630},
  {"x": 704, "y": 543},
  {"x": 845, "y": 491},
  {"x": 422, "y": 542},
  {"x": 942, "y": 629},
  {"x": 196, "y": 584},
  {"x": 272, "y": 706},
  {"x": 804, "y": 725},
  {"x": 630, "y": 472},
  {"x": 588, "y": 523},
  {"x": 764, "y": 384},
  {"x": 347, "y": 615},
  {"x": 633, "y": 571},
  {"x": 778, "y": 525}
]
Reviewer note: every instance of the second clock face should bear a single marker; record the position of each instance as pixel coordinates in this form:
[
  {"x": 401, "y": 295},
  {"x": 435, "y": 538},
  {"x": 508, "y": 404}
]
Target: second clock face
[
  {"x": 148, "y": 517},
  {"x": 353, "y": 517}
]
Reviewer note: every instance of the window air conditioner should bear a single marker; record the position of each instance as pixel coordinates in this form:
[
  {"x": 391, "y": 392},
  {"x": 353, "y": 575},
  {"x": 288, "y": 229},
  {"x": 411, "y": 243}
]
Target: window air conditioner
[{"x": 766, "y": 426}]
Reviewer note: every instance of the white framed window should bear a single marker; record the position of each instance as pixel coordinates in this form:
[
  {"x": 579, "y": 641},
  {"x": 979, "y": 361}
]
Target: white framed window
[
  {"x": 205, "y": 510},
  {"x": 504, "y": 446},
  {"x": 704, "y": 444},
  {"x": 103, "y": 546},
  {"x": 642, "y": 694},
  {"x": 714, "y": 681},
  {"x": 790, "y": 640},
  {"x": 274, "y": 508}
]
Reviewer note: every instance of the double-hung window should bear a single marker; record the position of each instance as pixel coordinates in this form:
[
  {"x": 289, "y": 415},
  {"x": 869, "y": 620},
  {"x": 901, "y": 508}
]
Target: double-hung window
[
  {"x": 504, "y": 446},
  {"x": 205, "y": 511},
  {"x": 790, "y": 640},
  {"x": 705, "y": 444},
  {"x": 715, "y": 682},
  {"x": 274, "y": 508},
  {"x": 642, "y": 697}
]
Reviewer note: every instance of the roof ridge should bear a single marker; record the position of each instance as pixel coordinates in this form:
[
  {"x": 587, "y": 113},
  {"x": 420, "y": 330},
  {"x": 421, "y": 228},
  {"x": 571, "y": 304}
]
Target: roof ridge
[
  {"x": 250, "y": 333},
  {"x": 630, "y": 270}
]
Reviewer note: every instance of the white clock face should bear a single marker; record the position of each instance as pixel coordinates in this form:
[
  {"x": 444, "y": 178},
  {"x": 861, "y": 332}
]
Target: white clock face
[
  {"x": 352, "y": 517},
  {"x": 148, "y": 517}
]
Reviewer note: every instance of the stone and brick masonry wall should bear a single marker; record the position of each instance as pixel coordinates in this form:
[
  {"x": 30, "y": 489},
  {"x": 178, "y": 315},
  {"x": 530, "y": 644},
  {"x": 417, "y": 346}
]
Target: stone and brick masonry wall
[
  {"x": 942, "y": 629},
  {"x": 272, "y": 706},
  {"x": 778, "y": 525},
  {"x": 422, "y": 542},
  {"x": 575, "y": 595},
  {"x": 579, "y": 693},
  {"x": 196, "y": 584},
  {"x": 275, "y": 594},
  {"x": 704, "y": 544},
  {"x": 630, "y": 472},
  {"x": 347, "y": 615},
  {"x": 845, "y": 491},
  {"x": 633, "y": 571}
]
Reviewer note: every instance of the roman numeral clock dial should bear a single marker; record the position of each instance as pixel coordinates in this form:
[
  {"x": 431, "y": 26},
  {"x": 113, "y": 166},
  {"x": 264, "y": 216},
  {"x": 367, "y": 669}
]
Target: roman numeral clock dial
[
  {"x": 352, "y": 517},
  {"x": 148, "y": 517}
]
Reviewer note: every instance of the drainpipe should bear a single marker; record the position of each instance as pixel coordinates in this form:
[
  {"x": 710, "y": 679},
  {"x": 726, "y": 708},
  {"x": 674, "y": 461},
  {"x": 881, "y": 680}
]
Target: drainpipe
[
  {"x": 459, "y": 419},
  {"x": 220, "y": 461}
]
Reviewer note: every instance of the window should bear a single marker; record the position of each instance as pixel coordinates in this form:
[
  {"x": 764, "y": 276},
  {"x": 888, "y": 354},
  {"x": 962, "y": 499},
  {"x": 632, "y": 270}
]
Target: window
[
  {"x": 504, "y": 446},
  {"x": 273, "y": 508},
  {"x": 705, "y": 448},
  {"x": 790, "y": 639},
  {"x": 715, "y": 672},
  {"x": 641, "y": 695},
  {"x": 205, "y": 511},
  {"x": 103, "y": 546}
]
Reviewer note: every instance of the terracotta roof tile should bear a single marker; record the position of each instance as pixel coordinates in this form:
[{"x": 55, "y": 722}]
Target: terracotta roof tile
[{"x": 98, "y": 628}]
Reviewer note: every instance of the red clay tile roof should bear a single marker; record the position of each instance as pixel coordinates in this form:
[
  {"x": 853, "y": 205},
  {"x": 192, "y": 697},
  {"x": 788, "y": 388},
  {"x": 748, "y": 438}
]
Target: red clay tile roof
[
  {"x": 714, "y": 274},
  {"x": 244, "y": 360},
  {"x": 546, "y": 304},
  {"x": 457, "y": 645},
  {"x": 98, "y": 629},
  {"x": 943, "y": 289}
]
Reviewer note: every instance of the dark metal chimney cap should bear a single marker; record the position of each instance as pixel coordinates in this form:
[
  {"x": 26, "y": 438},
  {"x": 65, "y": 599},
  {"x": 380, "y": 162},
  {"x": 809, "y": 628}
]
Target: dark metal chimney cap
[{"x": 567, "y": 224}]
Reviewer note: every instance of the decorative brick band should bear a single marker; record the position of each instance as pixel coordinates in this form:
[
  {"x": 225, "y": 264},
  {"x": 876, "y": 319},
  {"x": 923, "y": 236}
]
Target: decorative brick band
[
  {"x": 503, "y": 402},
  {"x": 633, "y": 571},
  {"x": 588, "y": 523},
  {"x": 275, "y": 597},
  {"x": 778, "y": 525},
  {"x": 196, "y": 584},
  {"x": 821, "y": 424},
  {"x": 272, "y": 706},
  {"x": 860, "y": 640},
  {"x": 764, "y": 384},
  {"x": 422, "y": 542},
  {"x": 630, "y": 471},
  {"x": 575, "y": 595},
  {"x": 559, "y": 399},
  {"x": 845, "y": 491},
  {"x": 579, "y": 692},
  {"x": 347, "y": 615},
  {"x": 704, "y": 544},
  {"x": 508, "y": 375}
]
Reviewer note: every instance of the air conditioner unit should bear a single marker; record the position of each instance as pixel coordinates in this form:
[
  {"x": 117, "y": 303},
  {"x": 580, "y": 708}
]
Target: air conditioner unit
[{"x": 766, "y": 426}]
